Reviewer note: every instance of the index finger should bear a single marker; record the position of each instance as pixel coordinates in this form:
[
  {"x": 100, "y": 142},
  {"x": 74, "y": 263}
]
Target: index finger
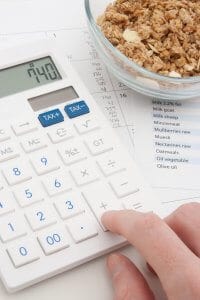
[{"x": 154, "y": 239}]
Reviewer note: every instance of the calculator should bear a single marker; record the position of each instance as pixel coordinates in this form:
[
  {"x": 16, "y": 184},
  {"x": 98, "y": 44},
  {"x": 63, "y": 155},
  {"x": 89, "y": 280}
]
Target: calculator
[{"x": 61, "y": 167}]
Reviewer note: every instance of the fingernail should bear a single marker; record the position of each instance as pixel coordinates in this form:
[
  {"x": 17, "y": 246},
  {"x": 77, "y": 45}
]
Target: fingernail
[{"x": 115, "y": 264}]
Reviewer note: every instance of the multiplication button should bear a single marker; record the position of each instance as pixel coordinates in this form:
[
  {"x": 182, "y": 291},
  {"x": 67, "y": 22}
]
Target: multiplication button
[{"x": 84, "y": 173}]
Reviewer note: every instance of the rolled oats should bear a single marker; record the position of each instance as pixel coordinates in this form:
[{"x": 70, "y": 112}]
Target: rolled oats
[{"x": 160, "y": 35}]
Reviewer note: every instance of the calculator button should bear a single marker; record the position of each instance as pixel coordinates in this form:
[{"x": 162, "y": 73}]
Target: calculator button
[
  {"x": 23, "y": 127},
  {"x": 98, "y": 144},
  {"x": 51, "y": 117},
  {"x": 110, "y": 163},
  {"x": 53, "y": 240},
  {"x": 84, "y": 125},
  {"x": 23, "y": 252},
  {"x": 69, "y": 205},
  {"x": 81, "y": 228},
  {"x": 32, "y": 143},
  {"x": 60, "y": 134},
  {"x": 84, "y": 173},
  {"x": 8, "y": 151},
  {"x": 4, "y": 134},
  {"x": 123, "y": 185},
  {"x": 99, "y": 204},
  {"x": 40, "y": 217},
  {"x": 16, "y": 173},
  {"x": 57, "y": 183},
  {"x": 44, "y": 162},
  {"x": 6, "y": 202},
  {"x": 76, "y": 109},
  {"x": 72, "y": 152},
  {"x": 11, "y": 227},
  {"x": 29, "y": 193},
  {"x": 134, "y": 203}
]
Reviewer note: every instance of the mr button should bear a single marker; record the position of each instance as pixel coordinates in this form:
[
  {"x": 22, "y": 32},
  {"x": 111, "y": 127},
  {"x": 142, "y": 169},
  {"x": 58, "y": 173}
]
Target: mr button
[
  {"x": 76, "y": 109},
  {"x": 51, "y": 117}
]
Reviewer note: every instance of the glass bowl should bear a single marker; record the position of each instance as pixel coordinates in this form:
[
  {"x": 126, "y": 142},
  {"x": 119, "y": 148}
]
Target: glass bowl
[{"x": 130, "y": 73}]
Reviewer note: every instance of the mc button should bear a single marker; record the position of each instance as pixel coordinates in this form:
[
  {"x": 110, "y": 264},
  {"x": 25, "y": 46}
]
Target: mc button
[{"x": 51, "y": 117}]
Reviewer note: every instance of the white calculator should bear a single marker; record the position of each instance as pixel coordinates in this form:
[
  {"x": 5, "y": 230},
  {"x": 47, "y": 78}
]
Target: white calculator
[{"x": 61, "y": 168}]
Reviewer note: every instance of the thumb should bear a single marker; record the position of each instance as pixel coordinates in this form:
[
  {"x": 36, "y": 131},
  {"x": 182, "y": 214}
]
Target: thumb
[{"x": 128, "y": 282}]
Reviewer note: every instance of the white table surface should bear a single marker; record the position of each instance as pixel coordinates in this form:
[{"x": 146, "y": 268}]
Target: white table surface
[{"x": 87, "y": 282}]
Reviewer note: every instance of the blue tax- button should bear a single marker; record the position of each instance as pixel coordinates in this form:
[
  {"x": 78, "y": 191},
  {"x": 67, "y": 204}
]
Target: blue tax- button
[
  {"x": 76, "y": 109},
  {"x": 51, "y": 117}
]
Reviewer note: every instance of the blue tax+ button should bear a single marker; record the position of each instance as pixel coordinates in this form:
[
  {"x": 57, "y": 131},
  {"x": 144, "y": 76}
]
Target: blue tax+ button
[
  {"x": 51, "y": 117},
  {"x": 76, "y": 109}
]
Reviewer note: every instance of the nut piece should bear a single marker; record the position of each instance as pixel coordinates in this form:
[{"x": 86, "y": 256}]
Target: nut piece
[
  {"x": 131, "y": 36},
  {"x": 174, "y": 74}
]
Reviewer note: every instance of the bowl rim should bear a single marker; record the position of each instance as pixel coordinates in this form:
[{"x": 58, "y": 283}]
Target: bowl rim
[{"x": 132, "y": 64}]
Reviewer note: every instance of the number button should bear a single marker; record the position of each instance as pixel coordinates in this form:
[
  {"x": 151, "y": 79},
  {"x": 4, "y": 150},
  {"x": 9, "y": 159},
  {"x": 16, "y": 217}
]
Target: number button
[
  {"x": 53, "y": 241},
  {"x": 27, "y": 194},
  {"x": 16, "y": 173},
  {"x": 6, "y": 202},
  {"x": 57, "y": 183},
  {"x": 40, "y": 217},
  {"x": 23, "y": 252},
  {"x": 44, "y": 163},
  {"x": 69, "y": 205},
  {"x": 11, "y": 227}
]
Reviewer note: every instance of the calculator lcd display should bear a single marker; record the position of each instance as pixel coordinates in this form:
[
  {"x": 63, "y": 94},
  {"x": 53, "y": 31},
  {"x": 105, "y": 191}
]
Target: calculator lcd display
[
  {"x": 53, "y": 98},
  {"x": 28, "y": 75}
]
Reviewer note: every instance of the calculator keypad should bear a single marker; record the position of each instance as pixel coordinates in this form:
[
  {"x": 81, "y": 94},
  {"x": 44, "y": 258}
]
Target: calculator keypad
[{"x": 61, "y": 178}]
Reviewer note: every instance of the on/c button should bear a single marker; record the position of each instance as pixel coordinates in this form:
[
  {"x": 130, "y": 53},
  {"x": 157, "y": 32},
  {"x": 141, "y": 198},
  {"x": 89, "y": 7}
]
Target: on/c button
[{"x": 51, "y": 117}]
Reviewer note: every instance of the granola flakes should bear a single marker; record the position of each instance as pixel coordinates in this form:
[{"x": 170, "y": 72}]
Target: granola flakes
[{"x": 160, "y": 35}]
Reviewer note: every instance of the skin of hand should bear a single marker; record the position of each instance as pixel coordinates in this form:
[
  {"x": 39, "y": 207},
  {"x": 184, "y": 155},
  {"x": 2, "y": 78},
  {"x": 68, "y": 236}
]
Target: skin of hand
[{"x": 170, "y": 246}]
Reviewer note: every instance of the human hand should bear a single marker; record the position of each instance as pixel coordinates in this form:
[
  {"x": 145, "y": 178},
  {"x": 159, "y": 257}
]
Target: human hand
[{"x": 171, "y": 247}]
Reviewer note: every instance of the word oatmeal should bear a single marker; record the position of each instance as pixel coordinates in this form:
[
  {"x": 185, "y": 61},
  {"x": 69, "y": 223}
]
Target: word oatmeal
[{"x": 162, "y": 36}]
